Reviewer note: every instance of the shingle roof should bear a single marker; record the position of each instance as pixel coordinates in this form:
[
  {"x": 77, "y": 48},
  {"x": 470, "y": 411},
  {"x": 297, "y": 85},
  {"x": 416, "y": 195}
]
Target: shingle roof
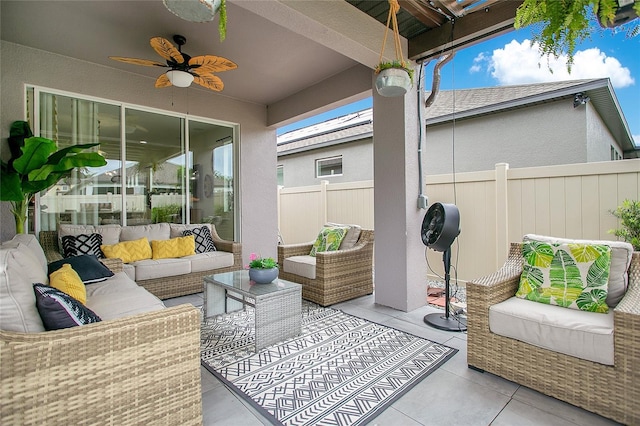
[
  {"x": 450, "y": 104},
  {"x": 470, "y": 99},
  {"x": 356, "y": 125}
]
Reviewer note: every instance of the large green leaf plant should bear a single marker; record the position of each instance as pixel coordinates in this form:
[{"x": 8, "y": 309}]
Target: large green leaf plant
[{"x": 36, "y": 164}]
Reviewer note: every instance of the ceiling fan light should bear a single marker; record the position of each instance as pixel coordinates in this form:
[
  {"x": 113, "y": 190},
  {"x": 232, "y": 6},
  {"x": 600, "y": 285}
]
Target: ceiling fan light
[
  {"x": 180, "y": 78},
  {"x": 194, "y": 10}
]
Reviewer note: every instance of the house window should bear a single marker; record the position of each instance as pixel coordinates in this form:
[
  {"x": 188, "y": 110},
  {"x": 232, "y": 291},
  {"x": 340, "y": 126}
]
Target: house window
[
  {"x": 329, "y": 167},
  {"x": 615, "y": 155},
  {"x": 280, "y": 175}
]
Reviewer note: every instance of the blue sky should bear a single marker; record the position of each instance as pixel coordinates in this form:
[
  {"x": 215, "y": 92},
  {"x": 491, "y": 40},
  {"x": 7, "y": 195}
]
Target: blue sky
[{"x": 510, "y": 59}]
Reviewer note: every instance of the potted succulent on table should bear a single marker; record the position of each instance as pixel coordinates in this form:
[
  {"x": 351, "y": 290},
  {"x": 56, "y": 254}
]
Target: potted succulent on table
[
  {"x": 394, "y": 78},
  {"x": 35, "y": 165},
  {"x": 262, "y": 270}
]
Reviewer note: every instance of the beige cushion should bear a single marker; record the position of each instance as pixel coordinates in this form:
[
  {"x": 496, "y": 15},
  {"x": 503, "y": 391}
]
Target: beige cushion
[
  {"x": 305, "y": 266},
  {"x": 177, "y": 229},
  {"x": 19, "y": 270},
  {"x": 119, "y": 297},
  {"x": 154, "y": 231},
  {"x": 110, "y": 233},
  {"x": 130, "y": 270},
  {"x": 581, "y": 334},
  {"x": 351, "y": 238},
  {"x": 30, "y": 241},
  {"x": 149, "y": 268},
  {"x": 210, "y": 260},
  {"x": 621, "y": 253}
]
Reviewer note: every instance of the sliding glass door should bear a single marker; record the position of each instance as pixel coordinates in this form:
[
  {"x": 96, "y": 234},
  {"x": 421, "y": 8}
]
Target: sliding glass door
[{"x": 161, "y": 167}]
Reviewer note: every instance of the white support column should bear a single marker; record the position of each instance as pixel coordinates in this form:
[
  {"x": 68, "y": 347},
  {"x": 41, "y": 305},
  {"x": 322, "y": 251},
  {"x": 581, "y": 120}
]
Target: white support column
[{"x": 400, "y": 266}]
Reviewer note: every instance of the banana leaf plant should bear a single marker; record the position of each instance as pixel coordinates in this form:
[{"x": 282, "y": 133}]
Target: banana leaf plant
[{"x": 36, "y": 164}]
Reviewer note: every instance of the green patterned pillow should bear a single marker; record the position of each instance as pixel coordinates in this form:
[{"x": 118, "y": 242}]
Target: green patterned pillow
[
  {"x": 329, "y": 239},
  {"x": 573, "y": 276}
]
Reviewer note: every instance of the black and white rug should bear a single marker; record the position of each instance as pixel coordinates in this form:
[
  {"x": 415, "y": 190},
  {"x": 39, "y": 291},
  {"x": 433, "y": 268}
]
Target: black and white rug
[{"x": 342, "y": 370}]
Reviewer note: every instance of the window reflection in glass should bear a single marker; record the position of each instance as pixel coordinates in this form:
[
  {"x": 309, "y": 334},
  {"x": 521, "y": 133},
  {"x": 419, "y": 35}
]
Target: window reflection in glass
[
  {"x": 87, "y": 196},
  {"x": 158, "y": 182},
  {"x": 155, "y": 160},
  {"x": 211, "y": 183}
]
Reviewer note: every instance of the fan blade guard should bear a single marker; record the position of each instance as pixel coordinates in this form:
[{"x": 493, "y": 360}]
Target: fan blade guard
[{"x": 440, "y": 226}]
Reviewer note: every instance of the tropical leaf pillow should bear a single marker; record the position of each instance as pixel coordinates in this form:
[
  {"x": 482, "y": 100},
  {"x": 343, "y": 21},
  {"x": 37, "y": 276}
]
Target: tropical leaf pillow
[
  {"x": 573, "y": 276},
  {"x": 329, "y": 239}
]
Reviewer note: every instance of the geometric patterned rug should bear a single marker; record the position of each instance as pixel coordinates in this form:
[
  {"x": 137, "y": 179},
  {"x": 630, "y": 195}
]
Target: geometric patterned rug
[{"x": 342, "y": 370}]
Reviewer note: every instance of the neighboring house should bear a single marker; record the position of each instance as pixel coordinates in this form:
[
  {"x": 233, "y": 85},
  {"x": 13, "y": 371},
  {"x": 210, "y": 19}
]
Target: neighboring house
[
  {"x": 525, "y": 125},
  {"x": 338, "y": 150}
]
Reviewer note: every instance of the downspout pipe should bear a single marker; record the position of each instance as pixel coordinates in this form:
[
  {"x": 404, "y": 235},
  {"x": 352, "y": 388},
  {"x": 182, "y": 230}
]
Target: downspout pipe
[{"x": 435, "y": 85}]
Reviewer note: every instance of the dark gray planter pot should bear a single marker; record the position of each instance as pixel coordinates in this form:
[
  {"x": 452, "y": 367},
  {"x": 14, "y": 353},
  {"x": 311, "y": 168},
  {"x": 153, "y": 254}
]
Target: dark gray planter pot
[{"x": 263, "y": 276}]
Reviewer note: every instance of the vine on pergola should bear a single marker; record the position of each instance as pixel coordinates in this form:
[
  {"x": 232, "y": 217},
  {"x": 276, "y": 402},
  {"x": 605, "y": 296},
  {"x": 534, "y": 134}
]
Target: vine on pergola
[{"x": 562, "y": 24}]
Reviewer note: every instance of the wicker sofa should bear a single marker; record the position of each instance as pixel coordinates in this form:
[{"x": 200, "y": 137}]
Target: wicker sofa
[
  {"x": 171, "y": 284},
  {"x": 130, "y": 368},
  {"x": 609, "y": 390},
  {"x": 337, "y": 275}
]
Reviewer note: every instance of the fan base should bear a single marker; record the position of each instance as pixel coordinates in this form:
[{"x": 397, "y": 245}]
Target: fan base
[{"x": 441, "y": 322}]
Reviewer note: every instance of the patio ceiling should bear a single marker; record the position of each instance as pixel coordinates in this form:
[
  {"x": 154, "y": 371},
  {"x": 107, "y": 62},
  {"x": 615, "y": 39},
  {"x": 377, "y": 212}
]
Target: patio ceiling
[{"x": 286, "y": 50}]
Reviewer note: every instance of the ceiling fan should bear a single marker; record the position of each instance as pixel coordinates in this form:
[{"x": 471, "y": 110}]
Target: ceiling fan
[{"x": 184, "y": 69}]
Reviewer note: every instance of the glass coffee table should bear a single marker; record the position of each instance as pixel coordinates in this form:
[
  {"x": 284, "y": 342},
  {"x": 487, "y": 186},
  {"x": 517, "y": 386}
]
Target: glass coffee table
[{"x": 278, "y": 305}]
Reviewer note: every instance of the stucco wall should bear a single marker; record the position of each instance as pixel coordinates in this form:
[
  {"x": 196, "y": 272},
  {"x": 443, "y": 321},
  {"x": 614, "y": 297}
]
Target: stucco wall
[
  {"x": 257, "y": 181},
  {"x": 357, "y": 164},
  {"x": 599, "y": 139},
  {"x": 548, "y": 134}
]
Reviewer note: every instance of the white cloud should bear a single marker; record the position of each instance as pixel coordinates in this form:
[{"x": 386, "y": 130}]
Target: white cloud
[
  {"x": 520, "y": 63},
  {"x": 478, "y": 62},
  {"x": 636, "y": 139}
]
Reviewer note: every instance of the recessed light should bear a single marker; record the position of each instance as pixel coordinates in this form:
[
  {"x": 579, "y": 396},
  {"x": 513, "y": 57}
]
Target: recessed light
[{"x": 143, "y": 141}]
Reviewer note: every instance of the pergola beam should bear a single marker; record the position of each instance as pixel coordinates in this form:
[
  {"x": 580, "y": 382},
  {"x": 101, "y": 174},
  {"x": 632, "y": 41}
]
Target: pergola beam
[{"x": 465, "y": 31}]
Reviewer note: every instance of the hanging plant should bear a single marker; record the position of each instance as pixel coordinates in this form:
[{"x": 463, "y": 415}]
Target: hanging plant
[
  {"x": 394, "y": 77},
  {"x": 395, "y": 64},
  {"x": 200, "y": 11},
  {"x": 561, "y": 25}
]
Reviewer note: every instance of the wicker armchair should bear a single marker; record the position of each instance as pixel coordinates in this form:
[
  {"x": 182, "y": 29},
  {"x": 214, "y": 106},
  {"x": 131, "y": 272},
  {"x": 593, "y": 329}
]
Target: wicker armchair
[
  {"x": 611, "y": 391},
  {"x": 340, "y": 275}
]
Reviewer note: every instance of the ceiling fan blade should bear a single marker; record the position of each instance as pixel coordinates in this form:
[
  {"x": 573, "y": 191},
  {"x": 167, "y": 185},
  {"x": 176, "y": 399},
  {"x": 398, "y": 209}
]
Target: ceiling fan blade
[
  {"x": 163, "y": 81},
  {"x": 165, "y": 49},
  {"x": 209, "y": 81},
  {"x": 136, "y": 61},
  {"x": 210, "y": 63}
]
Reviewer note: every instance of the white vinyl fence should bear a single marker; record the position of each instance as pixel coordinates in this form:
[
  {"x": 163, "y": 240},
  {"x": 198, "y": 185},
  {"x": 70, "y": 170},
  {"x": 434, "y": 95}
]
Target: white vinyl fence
[{"x": 496, "y": 207}]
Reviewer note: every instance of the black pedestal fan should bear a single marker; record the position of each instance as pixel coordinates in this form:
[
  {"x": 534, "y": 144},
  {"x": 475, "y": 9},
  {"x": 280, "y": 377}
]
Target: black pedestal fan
[{"x": 440, "y": 227}]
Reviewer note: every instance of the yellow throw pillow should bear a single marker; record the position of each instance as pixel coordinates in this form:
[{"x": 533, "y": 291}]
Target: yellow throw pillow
[
  {"x": 175, "y": 247},
  {"x": 68, "y": 281},
  {"x": 128, "y": 251}
]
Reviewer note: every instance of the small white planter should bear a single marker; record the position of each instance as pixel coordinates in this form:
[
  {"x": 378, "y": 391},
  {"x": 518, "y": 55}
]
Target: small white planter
[
  {"x": 194, "y": 10},
  {"x": 393, "y": 82}
]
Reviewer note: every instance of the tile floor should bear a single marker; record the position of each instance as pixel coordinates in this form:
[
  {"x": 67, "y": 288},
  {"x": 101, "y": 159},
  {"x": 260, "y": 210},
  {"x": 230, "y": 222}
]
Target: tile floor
[{"x": 452, "y": 395}]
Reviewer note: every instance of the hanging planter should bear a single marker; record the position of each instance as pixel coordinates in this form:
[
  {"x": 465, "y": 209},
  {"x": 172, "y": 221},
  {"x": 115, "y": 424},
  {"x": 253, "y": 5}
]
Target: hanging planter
[
  {"x": 394, "y": 77},
  {"x": 200, "y": 11}
]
